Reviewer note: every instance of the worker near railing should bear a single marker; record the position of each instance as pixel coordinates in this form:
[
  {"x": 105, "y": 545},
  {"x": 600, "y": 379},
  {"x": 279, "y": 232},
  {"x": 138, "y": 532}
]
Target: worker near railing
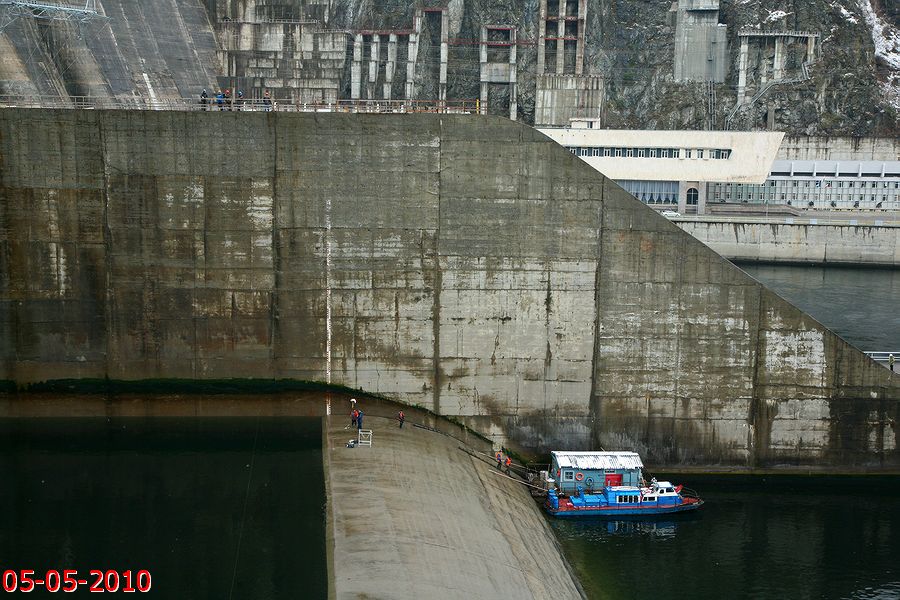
[
  {"x": 204, "y": 98},
  {"x": 891, "y": 361}
]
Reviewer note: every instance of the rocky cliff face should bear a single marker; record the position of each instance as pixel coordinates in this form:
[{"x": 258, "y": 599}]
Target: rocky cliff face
[{"x": 854, "y": 89}]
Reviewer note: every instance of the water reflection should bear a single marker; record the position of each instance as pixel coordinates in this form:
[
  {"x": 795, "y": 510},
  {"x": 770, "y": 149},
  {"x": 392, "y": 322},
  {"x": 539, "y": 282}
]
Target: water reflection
[
  {"x": 599, "y": 529},
  {"x": 662, "y": 529}
]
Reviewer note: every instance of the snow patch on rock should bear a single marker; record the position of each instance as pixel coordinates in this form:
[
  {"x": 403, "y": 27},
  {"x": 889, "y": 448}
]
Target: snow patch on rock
[
  {"x": 776, "y": 15},
  {"x": 886, "y": 38}
]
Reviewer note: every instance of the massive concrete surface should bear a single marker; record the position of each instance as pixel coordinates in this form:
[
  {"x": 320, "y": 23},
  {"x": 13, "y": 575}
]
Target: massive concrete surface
[
  {"x": 465, "y": 264},
  {"x": 803, "y": 243},
  {"x": 416, "y": 517}
]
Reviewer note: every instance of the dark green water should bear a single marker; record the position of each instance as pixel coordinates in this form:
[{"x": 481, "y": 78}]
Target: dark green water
[
  {"x": 212, "y": 508},
  {"x": 860, "y": 305},
  {"x": 757, "y": 537}
]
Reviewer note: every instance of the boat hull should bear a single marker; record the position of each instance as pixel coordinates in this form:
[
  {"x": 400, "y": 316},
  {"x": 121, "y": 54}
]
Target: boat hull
[{"x": 615, "y": 511}]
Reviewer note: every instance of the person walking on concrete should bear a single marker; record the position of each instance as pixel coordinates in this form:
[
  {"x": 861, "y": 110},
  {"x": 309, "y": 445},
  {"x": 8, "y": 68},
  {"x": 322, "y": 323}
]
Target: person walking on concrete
[
  {"x": 204, "y": 99},
  {"x": 891, "y": 361},
  {"x": 401, "y": 417},
  {"x": 220, "y": 98},
  {"x": 267, "y": 101},
  {"x": 354, "y": 417},
  {"x": 499, "y": 461},
  {"x": 359, "y": 417},
  {"x": 508, "y": 464}
]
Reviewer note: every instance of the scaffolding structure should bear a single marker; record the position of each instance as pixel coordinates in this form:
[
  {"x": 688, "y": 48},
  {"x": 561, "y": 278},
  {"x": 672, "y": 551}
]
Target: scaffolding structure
[{"x": 73, "y": 12}]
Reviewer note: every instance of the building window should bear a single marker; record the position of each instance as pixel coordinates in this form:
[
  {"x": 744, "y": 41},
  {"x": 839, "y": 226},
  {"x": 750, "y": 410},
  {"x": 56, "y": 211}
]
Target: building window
[
  {"x": 693, "y": 196},
  {"x": 699, "y": 153},
  {"x": 676, "y": 153},
  {"x": 618, "y": 152},
  {"x": 630, "y": 153},
  {"x": 640, "y": 153},
  {"x": 687, "y": 153},
  {"x": 606, "y": 152}
]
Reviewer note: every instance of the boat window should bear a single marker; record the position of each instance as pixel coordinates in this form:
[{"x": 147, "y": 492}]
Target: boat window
[{"x": 568, "y": 475}]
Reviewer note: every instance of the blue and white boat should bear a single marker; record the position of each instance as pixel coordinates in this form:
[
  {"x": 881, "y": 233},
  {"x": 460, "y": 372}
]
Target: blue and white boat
[{"x": 610, "y": 484}]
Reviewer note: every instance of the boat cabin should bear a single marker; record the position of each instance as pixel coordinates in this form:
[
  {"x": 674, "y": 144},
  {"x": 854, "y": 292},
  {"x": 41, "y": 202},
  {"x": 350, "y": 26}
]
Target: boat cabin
[{"x": 595, "y": 470}]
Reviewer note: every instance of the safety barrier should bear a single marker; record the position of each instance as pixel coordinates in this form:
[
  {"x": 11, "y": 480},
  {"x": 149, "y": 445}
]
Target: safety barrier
[{"x": 212, "y": 104}]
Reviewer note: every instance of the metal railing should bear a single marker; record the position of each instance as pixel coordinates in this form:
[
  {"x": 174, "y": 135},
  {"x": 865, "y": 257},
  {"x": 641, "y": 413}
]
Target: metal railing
[
  {"x": 883, "y": 356},
  {"x": 212, "y": 104}
]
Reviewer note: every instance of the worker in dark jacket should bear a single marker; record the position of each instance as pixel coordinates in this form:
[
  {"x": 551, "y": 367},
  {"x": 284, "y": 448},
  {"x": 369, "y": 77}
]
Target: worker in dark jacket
[{"x": 499, "y": 461}]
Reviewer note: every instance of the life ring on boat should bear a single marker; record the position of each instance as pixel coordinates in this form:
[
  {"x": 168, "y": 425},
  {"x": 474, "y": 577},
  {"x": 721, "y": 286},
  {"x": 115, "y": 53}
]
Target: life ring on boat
[{"x": 579, "y": 476}]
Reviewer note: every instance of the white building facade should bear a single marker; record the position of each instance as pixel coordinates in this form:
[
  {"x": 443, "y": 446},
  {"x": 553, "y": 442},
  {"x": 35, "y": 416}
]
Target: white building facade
[{"x": 687, "y": 170}]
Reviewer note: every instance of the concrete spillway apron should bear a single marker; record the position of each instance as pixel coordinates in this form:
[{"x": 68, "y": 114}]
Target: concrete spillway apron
[{"x": 414, "y": 517}]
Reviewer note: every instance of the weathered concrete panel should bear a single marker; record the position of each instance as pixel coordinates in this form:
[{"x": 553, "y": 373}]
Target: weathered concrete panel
[
  {"x": 798, "y": 242},
  {"x": 465, "y": 264}
]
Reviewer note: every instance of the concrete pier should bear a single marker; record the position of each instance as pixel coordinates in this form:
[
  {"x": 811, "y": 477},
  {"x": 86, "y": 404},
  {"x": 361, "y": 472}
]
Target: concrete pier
[{"x": 416, "y": 517}]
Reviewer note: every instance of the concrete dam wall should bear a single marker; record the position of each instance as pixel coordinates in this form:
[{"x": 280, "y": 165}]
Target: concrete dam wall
[
  {"x": 798, "y": 243},
  {"x": 465, "y": 264}
]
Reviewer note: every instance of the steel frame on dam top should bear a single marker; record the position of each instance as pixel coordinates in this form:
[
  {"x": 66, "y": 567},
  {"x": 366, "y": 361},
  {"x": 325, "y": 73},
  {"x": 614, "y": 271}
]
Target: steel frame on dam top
[{"x": 54, "y": 11}]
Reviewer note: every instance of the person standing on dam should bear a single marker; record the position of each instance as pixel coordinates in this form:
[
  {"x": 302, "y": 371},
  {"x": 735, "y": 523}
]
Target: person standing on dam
[
  {"x": 891, "y": 361},
  {"x": 401, "y": 417},
  {"x": 508, "y": 464},
  {"x": 359, "y": 418},
  {"x": 204, "y": 99}
]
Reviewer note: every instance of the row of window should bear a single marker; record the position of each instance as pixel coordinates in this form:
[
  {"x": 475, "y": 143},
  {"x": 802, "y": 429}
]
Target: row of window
[
  {"x": 828, "y": 183},
  {"x": 714, "y": 153},
  {"x": 629, "y": 499}
]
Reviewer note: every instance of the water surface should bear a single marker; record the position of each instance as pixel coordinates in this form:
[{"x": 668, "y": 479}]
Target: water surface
[
  {"x": 211, "y": 507},
  {"x": 756, "y": 537}
]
